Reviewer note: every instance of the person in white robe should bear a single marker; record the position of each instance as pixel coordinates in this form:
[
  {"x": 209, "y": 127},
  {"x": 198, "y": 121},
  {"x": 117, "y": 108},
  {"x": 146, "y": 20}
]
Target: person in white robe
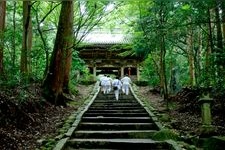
[
  {"x": 126, "y": 81},
  {"x": 116, "y": 84}
]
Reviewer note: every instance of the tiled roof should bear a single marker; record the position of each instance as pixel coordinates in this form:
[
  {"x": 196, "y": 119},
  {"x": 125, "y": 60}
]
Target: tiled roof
[
  {"x": 101, "y": 38},
  {"x": 105, "y": 37}
]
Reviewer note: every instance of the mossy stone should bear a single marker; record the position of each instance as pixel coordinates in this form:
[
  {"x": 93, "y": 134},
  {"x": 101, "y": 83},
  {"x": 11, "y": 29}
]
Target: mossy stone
[{"x": 166, "y": 134}]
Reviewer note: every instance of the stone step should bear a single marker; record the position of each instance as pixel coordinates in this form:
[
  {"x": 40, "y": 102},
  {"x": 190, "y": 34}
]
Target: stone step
[
  {"x": 116, "y": 114},
  {"x": 125, "y": 144},
  {"x": 116, "y": 101},
  {"x": 117, "y": 119},
  {"x": 118, "y": 111},
  {"x": 114, "y": 134},
  {"x": 70, "y": 148},
  {"x": 114, "y": 104},
  {"x": 116, "y": 126},
  {"x": 109, "y": 124},
  {"x": 117, "y": 108},
  {"x": 112, "y": 97}
]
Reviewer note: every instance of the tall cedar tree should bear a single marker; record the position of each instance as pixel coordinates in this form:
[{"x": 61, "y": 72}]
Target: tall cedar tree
[
  {"x": 2, "y": 27},
  {"x": 27, "y": 40},
  {"x": 55, "y": 84}
]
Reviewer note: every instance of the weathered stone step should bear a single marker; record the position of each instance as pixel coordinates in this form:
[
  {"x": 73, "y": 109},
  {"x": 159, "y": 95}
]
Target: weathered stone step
[
  {"x": 116, "y": 114},
  {"x": 108, "y": 124},
  {"x": 117, "y": 108},
  {"x": 114, "y": 134},
  {"x": 115, "y": 101},
  {"x": 114, "y": 110},
  {"x": 125, "y": 144},
  {"x": 117, "y": 119},
  {"x": 70, "y": 148},
  {"x": 116, "y": 126},
  {"x": 100, "y": 96},
  {"x": 113, "y": 104},
  {"x": 113, "y": 98}
]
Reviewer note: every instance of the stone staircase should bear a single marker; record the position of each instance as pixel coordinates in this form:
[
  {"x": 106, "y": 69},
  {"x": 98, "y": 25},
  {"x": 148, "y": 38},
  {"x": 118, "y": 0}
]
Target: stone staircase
[{"x": 111, "y": 124}]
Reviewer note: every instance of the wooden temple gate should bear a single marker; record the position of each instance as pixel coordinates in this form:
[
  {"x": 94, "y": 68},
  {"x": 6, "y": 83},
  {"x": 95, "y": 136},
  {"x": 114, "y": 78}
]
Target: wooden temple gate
[{"x": 105, "y": 59}]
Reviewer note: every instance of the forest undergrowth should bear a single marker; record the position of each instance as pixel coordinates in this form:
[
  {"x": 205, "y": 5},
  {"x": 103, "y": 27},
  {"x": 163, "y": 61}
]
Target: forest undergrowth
[
  {"x": 184, "y": 114},
  {"x": 25, "y": 117}
]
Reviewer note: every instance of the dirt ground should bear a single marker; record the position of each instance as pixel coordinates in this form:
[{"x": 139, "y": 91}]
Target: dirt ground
[
  {"x": 21, "y": 127},
  {"x": 173, "y": 118},
  {"x": 184, "y": 114}
]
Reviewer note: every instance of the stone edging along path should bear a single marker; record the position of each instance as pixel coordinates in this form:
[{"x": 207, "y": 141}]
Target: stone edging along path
[
  {"x": 148, "y": 109},
  {"x": 124, "y": 140},
  {"x": 78, "y": 113}
]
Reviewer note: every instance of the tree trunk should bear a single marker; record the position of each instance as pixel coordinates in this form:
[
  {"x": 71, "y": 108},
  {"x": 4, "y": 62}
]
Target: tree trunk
[
  {"x": 42, "y": 36},
  {"x": 191, "y": 59},
  {"x": 163, "y": 68},
  {"x": 198, "y": 62},
  {"x": 2, "y": 28},
  {"x": 218, "y": 29},
  {"x": 29, "y": 47},
  {"x": 209, "y": 75},
  {"x": 223, "y": 18},
  {"x": 163, "y": 80},
  {"x": 219, "y": 52},
  {"x": 172, "y": 79},
  {"x": 26, "y": 45},
  {"x": 14, "y": 37},
  {"x": 223, "y": 25},
  {"x": 54, "y": 83},
  {"x": 67, "y": 71},
  {"x": 45, "y": 46}
]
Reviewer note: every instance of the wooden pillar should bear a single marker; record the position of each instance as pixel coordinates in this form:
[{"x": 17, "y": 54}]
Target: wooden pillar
[
  {"x": 129, "y": 71},
  {"x": 138, "y": 73},
  {"x": 122, "y": 71},
  {"x": 94, "y": 71}
]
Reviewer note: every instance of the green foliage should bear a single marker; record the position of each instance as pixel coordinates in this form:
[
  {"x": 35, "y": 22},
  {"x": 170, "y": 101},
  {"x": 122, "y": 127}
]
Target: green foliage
[
  {"x": 78, "y": 67},
  {"x": 80, "y": 72},
  {"x": 23, "y": 96},
  {"x": 214, "y": 143},
  {"x": 166, "y": 134},
  {"x": 165, "y": 117},
  {"x": 49, "y": 145},
  {"x": 73, "y": 89},
  {"x": 140, "y": 20},
  {"x": 87, "y": 79},
  {"x": 12, "y": 80},
  {"x": 13, "y": 40},
  {"x": 149, "y": 72},
  {"x": 180, "y": 19},
  {"x": 186, "y": 7},
  {"x": 141, "y": 46},
  {"x": 141, "y": 83}
]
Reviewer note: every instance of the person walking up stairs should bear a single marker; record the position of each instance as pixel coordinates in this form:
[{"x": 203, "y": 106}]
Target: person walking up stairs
[
  {"x": 126, "y": 81},
  {"x": 117, "y": 84}
]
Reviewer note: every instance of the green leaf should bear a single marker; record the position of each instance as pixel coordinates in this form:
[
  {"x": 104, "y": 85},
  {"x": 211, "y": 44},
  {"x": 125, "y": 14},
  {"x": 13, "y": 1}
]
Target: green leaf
[{"x": 186, "y": 7}]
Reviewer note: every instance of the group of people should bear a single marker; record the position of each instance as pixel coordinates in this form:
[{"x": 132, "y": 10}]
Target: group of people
[{"x": 108, "y": 84}]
